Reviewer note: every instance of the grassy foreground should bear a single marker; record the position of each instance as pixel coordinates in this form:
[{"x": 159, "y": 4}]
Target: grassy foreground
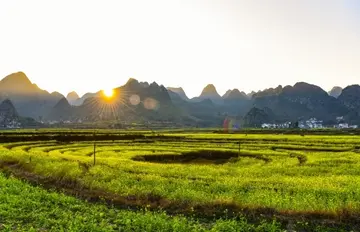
[
  {"x": 27, "y": 208},
  {"x": 308, "y": 183}
]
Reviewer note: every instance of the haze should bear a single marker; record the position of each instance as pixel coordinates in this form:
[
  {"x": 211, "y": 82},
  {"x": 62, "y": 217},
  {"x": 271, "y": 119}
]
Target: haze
[{"x": 251, "y": 45}]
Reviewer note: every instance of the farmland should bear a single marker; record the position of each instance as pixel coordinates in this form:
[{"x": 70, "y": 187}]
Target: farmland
[{"x": 181, "y": 181}]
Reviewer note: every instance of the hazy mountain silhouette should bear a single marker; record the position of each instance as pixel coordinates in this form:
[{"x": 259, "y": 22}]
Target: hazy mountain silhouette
[
  {"x": 72, "y": 98},
  {"x": 302, "y": 100},
  {"x": 235, "y": 94},
  {"x": 9, "y": 117},
  {"x": 335, "y": 91},
  {"x": 250, "y": 95},
  {"x": 179, "y": 91},
  {"x": 81, "y": 100},
  {"x": 142, "y": 102},
  {"x": 151, "y": 101},
  {"x": 134, "y": 101},
  {"x": 8, "y": 110},
  {"x": 268, "y": 92},
  {"x": 28, "y": 99},
  {"x": 61, "y": 111},
  {"x": 350, "y": 97},
  {"x": 226, "y": 94},
  {"x": 175, "y": 98},
  {"x": 209, "y": 92},
  {"x": 256, "y": 117},
  {"x": 18, "y": 83},
  {"x": 57, "y": 95},
  {"x": 235, "y": 102}
]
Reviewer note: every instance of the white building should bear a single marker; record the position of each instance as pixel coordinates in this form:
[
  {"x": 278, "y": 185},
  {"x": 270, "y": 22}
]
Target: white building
[
  {"x": 312, "y": 123},
  {"x": 274, "y": 126},
  {"x": 345, "y": 126},
  {"x": 268, "y": 125}
]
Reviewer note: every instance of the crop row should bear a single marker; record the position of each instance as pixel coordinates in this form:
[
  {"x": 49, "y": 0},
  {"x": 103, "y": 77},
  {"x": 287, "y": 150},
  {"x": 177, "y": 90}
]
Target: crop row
[{"x": 277, "y": 175}]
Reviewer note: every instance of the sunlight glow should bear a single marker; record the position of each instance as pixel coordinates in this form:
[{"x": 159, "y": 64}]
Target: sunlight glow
[{"x": 108, "y": 93}]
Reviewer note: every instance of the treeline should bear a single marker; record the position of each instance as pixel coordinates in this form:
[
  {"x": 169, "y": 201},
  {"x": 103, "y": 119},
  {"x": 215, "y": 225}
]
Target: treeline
[{"x": 77, "y": 138}]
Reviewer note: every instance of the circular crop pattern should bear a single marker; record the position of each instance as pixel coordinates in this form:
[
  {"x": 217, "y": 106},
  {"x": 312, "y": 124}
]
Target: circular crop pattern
[
  {"x": 281, "y": 173},
  {"x": 192, "y": 151},
  {"x": 173, "y": 152}
]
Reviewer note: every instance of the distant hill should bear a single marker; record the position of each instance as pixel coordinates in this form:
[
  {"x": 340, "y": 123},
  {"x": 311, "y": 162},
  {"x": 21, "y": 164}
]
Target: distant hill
[
  {"x": 57, "y": 95},
  {"x": 249, "y": 95},
  {"x": 235, "y": 103},
  {"x": 227, "y": 93},
  {"x": 9, "y": 117},
  {"x": 179, "y": 91},
  {"x": 61, "y": 111},
  {"x": 302, "y": 100},
  {"x": 209, "y": 92},
  {"x": 335, "y": 91},
  {"x": 235, "y": 94},
  {"x": 201, "y": 113},
  {"x": 135, "y": 101},
  {"x": 154, "y": 101},
  {"x": 28, "y": 99},
  {"x": 81, "y": 100},
  {"x": 72, "y": 98},
  {"x": 18, "y": 83},
  {"x": 268, "y": 92},
  {"x": 256, "y": 117},
  {"x": 350, "y": 97},
  {"x": 144, "y": 103}
]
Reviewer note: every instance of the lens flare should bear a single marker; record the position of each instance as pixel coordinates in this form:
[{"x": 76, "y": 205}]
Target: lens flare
[
  {"x": 134, "y": 100},
  {"x": 231, "y": 125},
  {"x": 151, "y": 104}
]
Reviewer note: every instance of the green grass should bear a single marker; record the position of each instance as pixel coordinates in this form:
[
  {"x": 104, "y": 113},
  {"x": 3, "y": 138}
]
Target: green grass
[
  {"x": 27, "y": 208},
  {"x": 304, "y": 175}
]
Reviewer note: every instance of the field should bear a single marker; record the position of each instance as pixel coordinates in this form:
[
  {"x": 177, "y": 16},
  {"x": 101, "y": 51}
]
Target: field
[{"x": 179, "y": 182}]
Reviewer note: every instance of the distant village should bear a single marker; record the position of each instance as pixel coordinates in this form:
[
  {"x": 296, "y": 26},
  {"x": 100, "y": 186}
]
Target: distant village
[
  {"x": 311, "y": 123},
  {"x": 13, "y": 124}
]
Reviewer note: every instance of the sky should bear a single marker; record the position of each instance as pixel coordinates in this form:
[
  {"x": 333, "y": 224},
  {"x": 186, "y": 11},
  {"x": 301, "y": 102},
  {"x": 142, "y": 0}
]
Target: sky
[{"x": 88, "y": 45}]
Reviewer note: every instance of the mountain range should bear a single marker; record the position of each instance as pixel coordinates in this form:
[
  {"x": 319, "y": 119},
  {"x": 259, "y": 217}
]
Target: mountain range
[
  {"x": 28, "y": 99},
  {"x": 143, "y": 102}
]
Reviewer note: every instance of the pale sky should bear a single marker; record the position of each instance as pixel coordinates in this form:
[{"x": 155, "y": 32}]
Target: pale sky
[{"x": 88, "y": 45}]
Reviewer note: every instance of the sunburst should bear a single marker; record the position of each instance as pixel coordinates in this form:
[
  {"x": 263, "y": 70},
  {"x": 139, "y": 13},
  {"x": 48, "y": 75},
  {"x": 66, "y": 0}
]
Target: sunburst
[{"x": 109, "y": 93}]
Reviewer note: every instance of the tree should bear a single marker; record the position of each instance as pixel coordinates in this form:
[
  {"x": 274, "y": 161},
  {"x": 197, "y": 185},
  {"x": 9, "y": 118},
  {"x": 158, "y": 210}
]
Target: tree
[{"x": 294, "y": 125}]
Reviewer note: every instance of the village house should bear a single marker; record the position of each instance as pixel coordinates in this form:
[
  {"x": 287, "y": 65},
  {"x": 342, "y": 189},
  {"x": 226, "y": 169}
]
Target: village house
[{"x": 311, "y": 123}]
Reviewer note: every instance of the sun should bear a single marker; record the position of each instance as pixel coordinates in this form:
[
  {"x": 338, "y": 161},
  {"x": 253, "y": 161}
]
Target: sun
[{"x": 108, "y": 93}]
